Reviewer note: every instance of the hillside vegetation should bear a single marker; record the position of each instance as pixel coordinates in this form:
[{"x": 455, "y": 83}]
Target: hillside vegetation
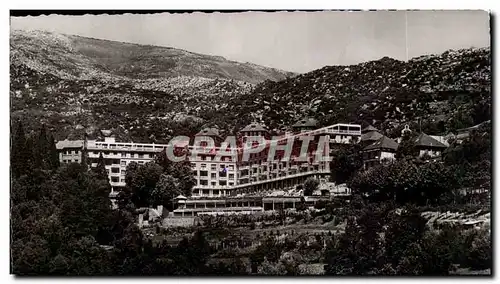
[
  {"x": 452, "y": 88},
  {"x": 144, "y": 93}
]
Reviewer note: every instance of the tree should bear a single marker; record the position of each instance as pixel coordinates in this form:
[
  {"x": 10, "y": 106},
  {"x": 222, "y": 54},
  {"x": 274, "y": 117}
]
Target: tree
[
  {"x": 310, "y": 185},
  {"x": 84, "y": 156},
  {"x": 406, "y": 149},
  {"x": 41, "y": 151},
  {"x": 182, "y": 170},
  {"x": 100, "y": 170},
  {"x": 165, "y": 190},
  {"x": 345, "y": 163},
  {"x": 406, "y": 181},
  {"x": 54, "y": 155},
  {"x": 141, "y": 182},
  {"x": 20, "y": 152}
]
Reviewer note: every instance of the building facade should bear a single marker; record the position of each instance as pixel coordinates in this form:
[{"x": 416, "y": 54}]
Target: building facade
[
  {"x": 383, "y": 150},
  {"x": 221, "y": 170}
]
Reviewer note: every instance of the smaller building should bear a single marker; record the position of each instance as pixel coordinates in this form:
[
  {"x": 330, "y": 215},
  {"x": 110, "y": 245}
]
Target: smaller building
[
  {"x": 70, "y": 151},
  {"x": 305, "y": 124},
  {"x": 254, "y": 130},
  {"x": 382, "y": 150},
  {"x": 426, "y": 145},
  {"x": 370, "y": 135}
]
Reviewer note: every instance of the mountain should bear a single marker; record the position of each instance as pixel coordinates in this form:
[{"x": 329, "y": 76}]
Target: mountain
[
  {"x": 75, "y": 84},
  {"x": 73, "y": 91},
  {"x": 439, "y": 93},
  {"x": 75, "y": 57}
]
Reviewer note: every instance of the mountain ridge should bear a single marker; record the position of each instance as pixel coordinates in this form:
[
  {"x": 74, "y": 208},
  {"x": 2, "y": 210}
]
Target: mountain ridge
[
  {"x": 81, "y": 57},
  {"x": 442, "y": 92}
]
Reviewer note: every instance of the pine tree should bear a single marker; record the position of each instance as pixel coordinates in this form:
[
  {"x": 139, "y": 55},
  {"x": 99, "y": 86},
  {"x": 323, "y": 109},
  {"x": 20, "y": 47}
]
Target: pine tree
[
  {"x": 20, "y": 154},
  {"x": 41, "y": 151},
  {"x": 84, "y": 158},
  {"x": 54, "y": 155},
  {"x": 100, "y": 170}
]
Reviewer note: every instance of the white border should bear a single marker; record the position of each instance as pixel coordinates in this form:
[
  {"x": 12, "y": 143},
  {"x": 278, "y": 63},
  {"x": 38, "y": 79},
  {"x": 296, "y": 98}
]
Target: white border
[{"x": 200, "y": 4}]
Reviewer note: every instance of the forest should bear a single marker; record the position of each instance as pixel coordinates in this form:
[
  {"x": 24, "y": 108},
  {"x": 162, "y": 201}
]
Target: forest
[{"x": 62, "y": 222}]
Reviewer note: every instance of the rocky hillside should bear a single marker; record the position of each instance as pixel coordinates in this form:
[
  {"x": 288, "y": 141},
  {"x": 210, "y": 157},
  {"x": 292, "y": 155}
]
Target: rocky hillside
[
  {"x": 74, "y": 84},
  {"x": 144, "y": 93},
  {"x": 75, "y": 57},
  {"x": 444, "y": 92}
]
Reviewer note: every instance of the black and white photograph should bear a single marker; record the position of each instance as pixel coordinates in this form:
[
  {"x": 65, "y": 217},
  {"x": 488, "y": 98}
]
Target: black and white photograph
[{"x": 250, "y": 143}]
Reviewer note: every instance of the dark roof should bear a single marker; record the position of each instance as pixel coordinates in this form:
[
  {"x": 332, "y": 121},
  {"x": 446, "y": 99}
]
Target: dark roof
[
  {"x": 427, "y": 141},
  {"x": 253, "y": 127},
  {"x": 306, "y": 122},
  {"x": 368, "y": 129},
  {"x": 383, "y": 143},
  {"x": 208, "y": 132},
  {"x": 371, "y": 136}
]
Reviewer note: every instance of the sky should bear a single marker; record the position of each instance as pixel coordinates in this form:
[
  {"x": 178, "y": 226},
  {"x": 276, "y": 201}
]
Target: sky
[{"x": 292, "y": 41}]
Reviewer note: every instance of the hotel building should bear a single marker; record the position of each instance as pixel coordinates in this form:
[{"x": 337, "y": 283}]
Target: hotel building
[{"x": 223, "y": 171}]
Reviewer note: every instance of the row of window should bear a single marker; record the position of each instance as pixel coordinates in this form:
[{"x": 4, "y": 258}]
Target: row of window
[
  {"x": 213, "y": 167},
  {"x": 129, "y": 155},
  {"x": 214, "y": 175},
  {"x": 207, "y": 192},
  {"x": 116, "y": 146},
  {"x": 116, "y": 179},
  {"x": 215, "y": 183},
  {"x": 71, "y": 152},
  {"x": 209, "y": 158}
]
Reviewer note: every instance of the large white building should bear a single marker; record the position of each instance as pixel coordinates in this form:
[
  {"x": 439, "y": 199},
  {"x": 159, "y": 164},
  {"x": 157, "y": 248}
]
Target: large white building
[{"x": 226, "y": 174}]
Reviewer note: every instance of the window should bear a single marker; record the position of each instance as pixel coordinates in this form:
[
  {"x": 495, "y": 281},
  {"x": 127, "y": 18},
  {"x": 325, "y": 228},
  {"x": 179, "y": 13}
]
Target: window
[
  {"x": 203, "y": 166},
  {"x": 115, "y": 170},
  {"x": 203, "y": 173},
  {"x": 223, "y": 182},
  {"x": 213, "y": 183},
  {"x": 213, "y": 167},
  {"x": 213, "y": 175},
  {"x": 123, "y": 163},
  {"x": 231, "y": 176},
  {"x": 122, "y": 180},
  {"x": 141, "y": 162},
  {"x": 216, "y": 192},
  {"x": 141, "y": 156},
  {"x": 123, "y": 155},
  {"x": 203, "y": 182},
  {"x": 196, "y": 191},
  {"x": 114, "y": 179}
]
